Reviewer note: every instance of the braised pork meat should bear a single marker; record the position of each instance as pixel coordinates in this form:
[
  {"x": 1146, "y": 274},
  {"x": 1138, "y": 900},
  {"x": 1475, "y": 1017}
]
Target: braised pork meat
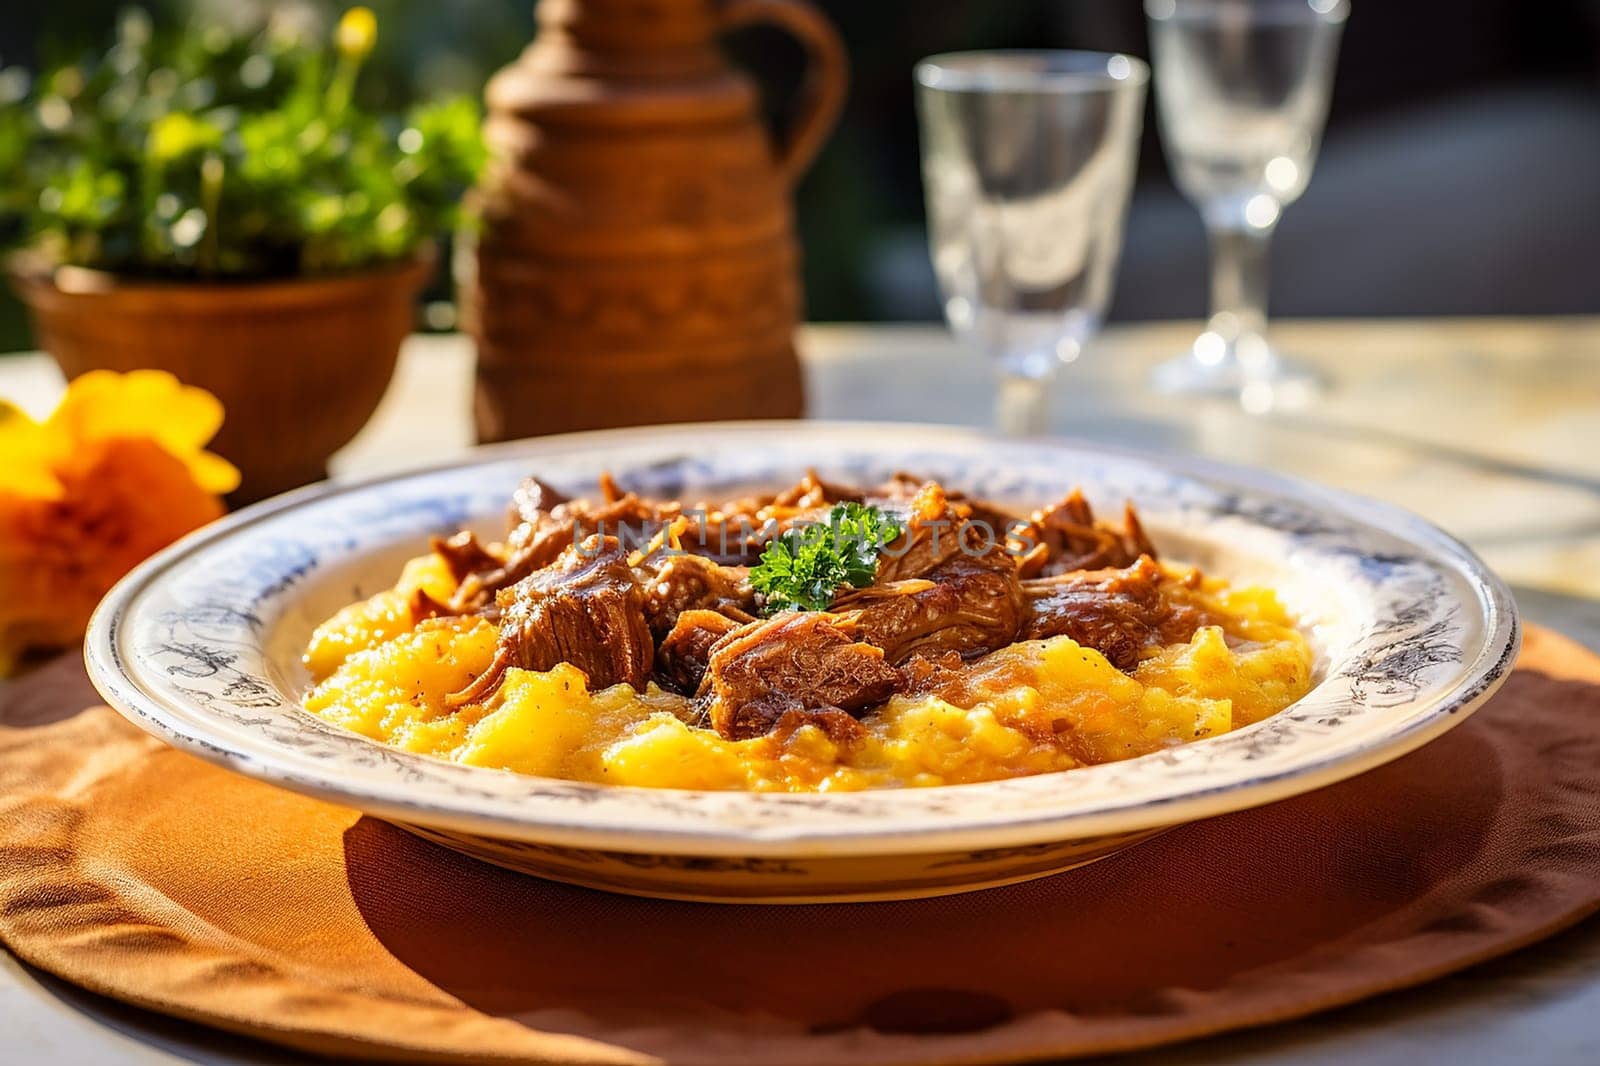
[
  {"x": 801, "y": 661},
  {"x": 544, "y": 523},
  {"x": 1067, "y": 537},
  {"x": 946, "y": 584},
  {"x": 685, "y": 651},
  {"x": 586, "y": 608},
  {"x": 632, "y": 590},
  {"x": 464, "y": 555},
  {"x": 1121, "y": 613},
  {"x": 682, "y": 583}
]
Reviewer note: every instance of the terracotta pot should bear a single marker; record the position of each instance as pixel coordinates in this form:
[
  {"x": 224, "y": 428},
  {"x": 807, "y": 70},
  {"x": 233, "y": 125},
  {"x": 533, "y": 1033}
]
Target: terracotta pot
[
  {"x": 638, "y": 261},
  {"x": 299, "y": 365}
]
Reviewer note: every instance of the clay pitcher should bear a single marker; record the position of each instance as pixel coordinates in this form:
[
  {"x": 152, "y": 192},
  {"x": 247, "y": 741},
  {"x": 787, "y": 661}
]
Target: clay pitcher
[{"x": 638, "y": 261}]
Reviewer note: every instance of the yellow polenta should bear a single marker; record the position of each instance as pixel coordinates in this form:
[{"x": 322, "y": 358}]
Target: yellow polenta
[{"x": 1033, "y": 707}]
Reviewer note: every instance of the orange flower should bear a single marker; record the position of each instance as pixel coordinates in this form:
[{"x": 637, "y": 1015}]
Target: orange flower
[{"x": 117, "y": 472}]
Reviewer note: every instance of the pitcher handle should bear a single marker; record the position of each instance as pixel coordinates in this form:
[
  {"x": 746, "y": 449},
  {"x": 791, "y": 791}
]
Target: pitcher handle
[{"x": 827, "y": 76}]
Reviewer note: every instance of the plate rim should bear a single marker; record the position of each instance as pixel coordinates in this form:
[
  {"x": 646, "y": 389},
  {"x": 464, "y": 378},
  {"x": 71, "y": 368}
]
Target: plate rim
[{"x": 1481, "y": 674}]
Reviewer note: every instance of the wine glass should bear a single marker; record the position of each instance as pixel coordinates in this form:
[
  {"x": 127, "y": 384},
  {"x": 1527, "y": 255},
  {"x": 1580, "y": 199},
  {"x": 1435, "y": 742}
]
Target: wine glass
[
  {"x": 1027, "y": 161},
  {"x": 1242, "y": 90}
]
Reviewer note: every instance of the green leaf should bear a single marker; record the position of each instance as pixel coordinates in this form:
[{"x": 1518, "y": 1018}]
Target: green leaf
[
  {"x": 101, "y": 159},
  {"x": 805, "y": 566}
]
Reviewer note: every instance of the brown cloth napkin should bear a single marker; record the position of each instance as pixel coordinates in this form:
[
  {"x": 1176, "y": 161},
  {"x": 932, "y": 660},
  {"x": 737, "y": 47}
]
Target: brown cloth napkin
[{"x": 144, "y": 874}]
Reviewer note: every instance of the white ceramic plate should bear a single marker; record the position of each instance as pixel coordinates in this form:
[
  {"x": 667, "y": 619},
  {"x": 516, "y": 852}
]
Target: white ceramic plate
[{"x": 201, "y": 646}]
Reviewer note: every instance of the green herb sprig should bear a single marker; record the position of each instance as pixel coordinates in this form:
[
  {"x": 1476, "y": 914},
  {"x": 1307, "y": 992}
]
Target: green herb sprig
[{"x": 804, "y": 567}]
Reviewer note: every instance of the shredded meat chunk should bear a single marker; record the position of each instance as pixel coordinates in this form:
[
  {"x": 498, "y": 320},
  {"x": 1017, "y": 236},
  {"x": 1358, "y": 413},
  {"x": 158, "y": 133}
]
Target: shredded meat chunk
[
  {"x": 1068, "y": 537},
  {"x": 903, "y": 486},
  {"x": 588, "y": 581},
  {"x": 546, "y": 523},
  {"x": 940, "y": 673},
  {"x": 809, "y": 662},
  {"x": 735, "y": 532},
  {"x": 946, "y": 584},
  {"x": 684, "y": 653},
  {"x": 963, "y": 607},
  {"x": 1119, "y": 613},
  {"x": 533, "y": 500},
  {"x": 586, "y": 609},
  {"x": 464, "y": 555},
  {"x": 682, "y": 583}
]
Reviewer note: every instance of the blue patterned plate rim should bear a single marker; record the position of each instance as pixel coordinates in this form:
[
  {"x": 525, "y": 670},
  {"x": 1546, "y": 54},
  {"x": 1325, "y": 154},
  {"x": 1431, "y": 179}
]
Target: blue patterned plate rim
[{"x": 1423, "y": 633}]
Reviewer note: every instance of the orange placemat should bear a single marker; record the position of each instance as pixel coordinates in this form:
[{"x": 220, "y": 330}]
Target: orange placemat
[{"x": 143, "y": 874}]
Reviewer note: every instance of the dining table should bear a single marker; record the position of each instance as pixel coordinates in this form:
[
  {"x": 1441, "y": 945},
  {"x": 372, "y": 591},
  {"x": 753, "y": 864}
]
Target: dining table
[{"x": 1489, "y": 427}]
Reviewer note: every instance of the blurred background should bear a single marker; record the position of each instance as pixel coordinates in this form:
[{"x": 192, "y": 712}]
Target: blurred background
[{"x": 1460, "y": 171}]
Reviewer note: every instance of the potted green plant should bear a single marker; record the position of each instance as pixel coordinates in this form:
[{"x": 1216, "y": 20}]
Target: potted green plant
[{"x": 219, "y": 205}]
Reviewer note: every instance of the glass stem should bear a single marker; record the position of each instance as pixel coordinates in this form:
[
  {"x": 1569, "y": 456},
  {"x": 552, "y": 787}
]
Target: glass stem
[
  {"x": 1239, "y": 292},
  {"x": 1023, "y": 408}
]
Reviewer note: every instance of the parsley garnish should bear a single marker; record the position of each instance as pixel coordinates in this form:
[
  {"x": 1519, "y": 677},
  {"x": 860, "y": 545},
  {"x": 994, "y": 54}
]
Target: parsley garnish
[{"x": 805, "y": 565}]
